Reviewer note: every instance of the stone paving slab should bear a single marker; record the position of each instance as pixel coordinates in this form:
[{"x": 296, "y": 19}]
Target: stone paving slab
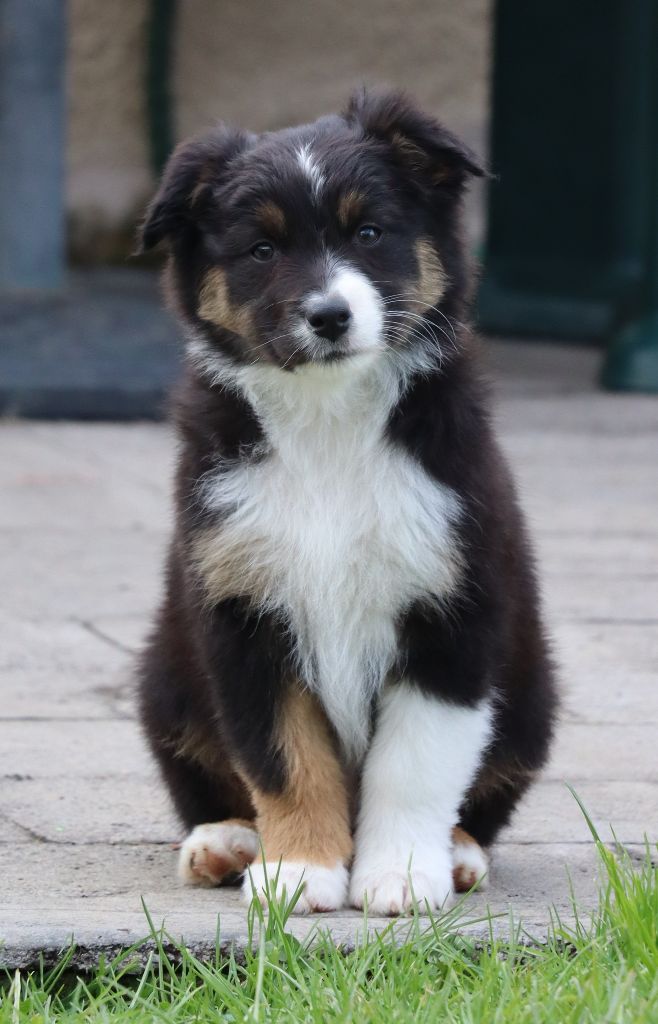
[
  {"x": 84, "y": 747},
  {"x": 585, "y": 751},
  {"x": 100, "y": 889},
  {"x": 117, "y": 569},
  {"x": 622, "y": 647},
  {"x": 85, "y": 827},
  {"x": 47, "y": 810},
  {"x": 631, "y": 699},
  {"x": 623, "y": 598}
]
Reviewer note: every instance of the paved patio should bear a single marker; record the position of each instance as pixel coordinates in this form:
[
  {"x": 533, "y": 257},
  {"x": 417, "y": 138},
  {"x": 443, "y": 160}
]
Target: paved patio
[{"x": 85, "y": 830}]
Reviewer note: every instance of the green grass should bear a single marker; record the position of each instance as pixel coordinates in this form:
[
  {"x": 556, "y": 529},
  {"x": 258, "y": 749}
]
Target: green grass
[{"x": 603, "y": 969}]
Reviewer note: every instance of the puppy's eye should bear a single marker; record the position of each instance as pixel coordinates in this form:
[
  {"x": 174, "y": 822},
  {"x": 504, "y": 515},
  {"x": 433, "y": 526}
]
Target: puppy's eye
[
  {"x": 368, "y": 234},
  {"x": 262, "y": 251}
]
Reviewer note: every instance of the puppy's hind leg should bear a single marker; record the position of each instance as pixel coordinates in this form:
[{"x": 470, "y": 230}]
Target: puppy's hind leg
[
  {"x": 488, "y": 808},
  {"x": 216, "y": 810},
  {"x": 208, "y": 795}
]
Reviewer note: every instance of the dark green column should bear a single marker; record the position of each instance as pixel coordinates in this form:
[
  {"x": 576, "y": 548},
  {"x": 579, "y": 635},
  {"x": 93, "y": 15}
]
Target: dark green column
[
  {"x": 631, "y": 362},
  {"x": 571, "y": 246}
]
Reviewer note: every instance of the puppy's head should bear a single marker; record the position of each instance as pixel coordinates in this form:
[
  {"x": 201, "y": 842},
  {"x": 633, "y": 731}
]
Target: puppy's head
[{"x": 316, "y": 244}]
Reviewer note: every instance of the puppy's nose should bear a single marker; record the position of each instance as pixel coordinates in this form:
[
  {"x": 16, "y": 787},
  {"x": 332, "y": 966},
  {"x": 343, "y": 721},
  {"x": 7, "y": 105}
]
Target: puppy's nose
[{"x": 329, "y": 319}]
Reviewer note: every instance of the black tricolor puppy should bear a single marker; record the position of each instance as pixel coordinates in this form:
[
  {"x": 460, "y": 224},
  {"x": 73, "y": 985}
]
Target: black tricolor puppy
[{"x": 349, "y": 658}]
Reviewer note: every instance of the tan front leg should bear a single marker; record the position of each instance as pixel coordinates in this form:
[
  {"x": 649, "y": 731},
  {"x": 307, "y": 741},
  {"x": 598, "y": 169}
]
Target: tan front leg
[{"x": 305, "y": 829}]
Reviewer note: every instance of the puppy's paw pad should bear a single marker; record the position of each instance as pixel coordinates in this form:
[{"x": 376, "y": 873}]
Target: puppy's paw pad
[
  {"x": 469, "y": 865},
  {"x": 323, "y": 888},
  {"x": 396, "y": 892},
  {"x": 214, "y": 852}
]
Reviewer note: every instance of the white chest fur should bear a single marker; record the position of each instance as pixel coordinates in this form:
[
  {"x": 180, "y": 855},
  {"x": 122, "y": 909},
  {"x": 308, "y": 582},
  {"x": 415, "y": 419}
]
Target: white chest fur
[{"x": 335, "y": 528}]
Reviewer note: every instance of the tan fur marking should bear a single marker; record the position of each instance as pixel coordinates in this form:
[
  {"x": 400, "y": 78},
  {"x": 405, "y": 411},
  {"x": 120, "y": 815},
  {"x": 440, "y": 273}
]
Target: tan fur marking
[
  {"x": 309, "y": 821},
  {"x": 202, "y": 182},
  {"x": 463, "y": 878},
  {"x": 459, "y": 835},
  {"x": 215, "y": 306},
  {"x": 493, "y": 778},
  {"x": 419, "y": 160},
  {"x": 224, "y": 561},
  {"x": 432, "y": 280},
  {"x": 194, "y": 744},
  {"x": 203, "y": 747},
  {"x": 350, "y": 205},
  {"x": 272, "y": 217},
  {"x": 198, "y": 191},
  {"x": 442, "y": 175},
  {"x": 416, "y": 157}
]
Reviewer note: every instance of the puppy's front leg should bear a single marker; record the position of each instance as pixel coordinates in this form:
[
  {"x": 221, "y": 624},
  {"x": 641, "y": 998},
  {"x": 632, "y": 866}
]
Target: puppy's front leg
[
  {"x": 304, "y": 825},
  {"x": 423, "y": 757}
]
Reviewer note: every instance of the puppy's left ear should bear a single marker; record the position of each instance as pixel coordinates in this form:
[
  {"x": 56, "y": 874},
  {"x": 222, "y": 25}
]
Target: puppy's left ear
[{"x": 419, "y": 142}]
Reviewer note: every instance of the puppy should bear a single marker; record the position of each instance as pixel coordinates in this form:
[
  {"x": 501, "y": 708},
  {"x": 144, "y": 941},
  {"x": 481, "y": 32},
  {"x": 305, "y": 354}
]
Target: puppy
[{"x": 348, "y": 684}]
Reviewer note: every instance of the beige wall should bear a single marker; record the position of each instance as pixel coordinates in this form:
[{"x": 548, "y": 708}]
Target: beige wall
[
  {"x": 259, "y": 63},
  {"x": 108, "y": 172}
]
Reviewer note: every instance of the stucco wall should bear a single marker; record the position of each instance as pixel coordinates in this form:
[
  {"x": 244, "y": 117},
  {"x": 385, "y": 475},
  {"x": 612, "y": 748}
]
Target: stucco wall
[{"x": 260, "y": 63}]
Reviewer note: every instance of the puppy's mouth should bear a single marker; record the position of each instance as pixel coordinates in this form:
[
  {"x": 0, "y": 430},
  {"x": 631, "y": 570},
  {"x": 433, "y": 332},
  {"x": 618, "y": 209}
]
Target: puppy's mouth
[
  {"x": 336, "y": 356},
  {"x": 300, "y": 348},
  {"x": 325, "y": 357},
  {"x": 332, "y": 352}
]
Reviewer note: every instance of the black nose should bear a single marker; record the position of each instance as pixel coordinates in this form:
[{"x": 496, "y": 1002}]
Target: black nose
[{"x": 329, "y": 319}]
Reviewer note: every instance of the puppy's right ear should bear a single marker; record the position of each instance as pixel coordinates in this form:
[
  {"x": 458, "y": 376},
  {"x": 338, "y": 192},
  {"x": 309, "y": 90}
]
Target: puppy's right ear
[
  {"x": 419, "y": 143},
  {"x": 193, "y": 170}
]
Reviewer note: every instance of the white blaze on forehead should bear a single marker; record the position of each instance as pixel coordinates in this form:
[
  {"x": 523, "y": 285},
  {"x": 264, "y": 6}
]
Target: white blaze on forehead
[{"x": 311, "y": 169}]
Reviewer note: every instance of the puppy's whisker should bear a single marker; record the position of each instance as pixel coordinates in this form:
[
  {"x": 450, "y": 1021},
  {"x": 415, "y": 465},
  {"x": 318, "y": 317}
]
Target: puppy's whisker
[
  {"x": 271, "y": 341},
  {"x": 295, "y": 352},
  {"x": 276, "y": 302},
  {"x": 425, "y": 323},
  {"x": 425, "y": 331}
]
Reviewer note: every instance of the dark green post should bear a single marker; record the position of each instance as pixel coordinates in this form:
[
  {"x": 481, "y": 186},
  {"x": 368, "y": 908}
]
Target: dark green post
[
  {"x": 631, "y": 362},
  {"x": 572, "y": 248},
  {"x": 159, "y": 62}
]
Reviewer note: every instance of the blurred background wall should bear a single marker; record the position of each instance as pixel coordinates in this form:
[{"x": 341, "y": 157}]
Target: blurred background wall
[
  {"x": 257, "y": 63},
  {"x": 94, "y": 95}
]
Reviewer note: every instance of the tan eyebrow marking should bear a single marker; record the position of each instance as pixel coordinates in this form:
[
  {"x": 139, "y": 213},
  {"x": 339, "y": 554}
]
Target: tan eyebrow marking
[
  {"x": 272, "y": 217},
  {"x": 350, "y": 205}
]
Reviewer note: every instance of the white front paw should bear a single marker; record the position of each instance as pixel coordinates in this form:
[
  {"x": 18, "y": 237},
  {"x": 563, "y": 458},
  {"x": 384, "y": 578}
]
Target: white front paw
[
  {"x": 395, "y": 890},
  {"x": 323, "y": 888}
]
